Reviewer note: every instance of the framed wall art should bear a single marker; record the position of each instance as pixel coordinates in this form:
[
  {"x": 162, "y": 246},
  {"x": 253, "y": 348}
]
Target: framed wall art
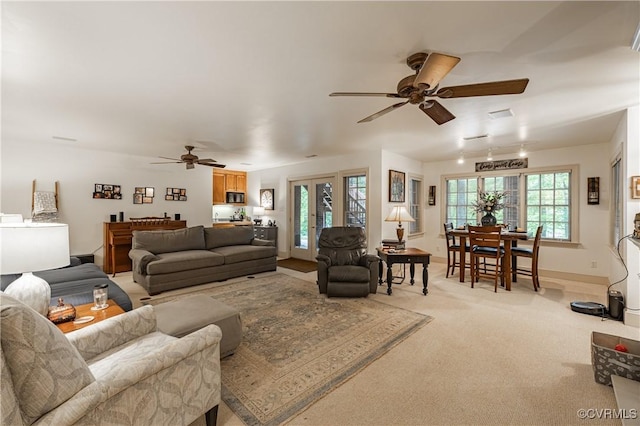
[
  {"x": 635, "y": 186},
  {"x": 176, "y": 194},
  {"x": 396, "y": 186},
  {"x": 267, "y": 199},
  {"x": 432, "y": 195},
  {"x": 143, "y": 195},
  {"x": 107, "y": 191}
]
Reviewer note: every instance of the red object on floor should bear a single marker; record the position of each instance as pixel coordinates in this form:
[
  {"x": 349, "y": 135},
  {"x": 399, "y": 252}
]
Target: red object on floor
[{"x": 621, "y": 348}]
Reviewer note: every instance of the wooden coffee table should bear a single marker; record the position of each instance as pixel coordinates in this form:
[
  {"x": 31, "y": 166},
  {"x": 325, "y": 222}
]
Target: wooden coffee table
[
  {"x": 85, "y": 311},
  {"x": 408, "y": 255}
]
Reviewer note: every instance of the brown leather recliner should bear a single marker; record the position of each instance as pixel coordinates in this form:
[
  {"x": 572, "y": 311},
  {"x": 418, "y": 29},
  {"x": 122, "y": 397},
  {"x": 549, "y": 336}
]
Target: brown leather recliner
[{"x": 344, "y": 267}]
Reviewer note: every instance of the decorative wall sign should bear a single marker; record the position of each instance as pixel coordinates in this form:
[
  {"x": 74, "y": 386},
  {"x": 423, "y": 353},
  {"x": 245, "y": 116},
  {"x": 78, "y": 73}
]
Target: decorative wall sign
[
  {"x": 432, "y": 195},
  {"x": 143, "y": 195},
  {"x": 107, "y": 191},
  {"x": 516, "y": 163},
  {"x": 176, "y": 194},
  {"x": 396, "y": 186},
  {"x": 267, "y": 199}
]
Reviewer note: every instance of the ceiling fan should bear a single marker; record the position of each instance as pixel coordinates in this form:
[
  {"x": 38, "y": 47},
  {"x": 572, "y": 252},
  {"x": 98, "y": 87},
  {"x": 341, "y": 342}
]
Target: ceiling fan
[
  {"x": 191, "y": 160},
  {"x": 430, "y": 69}
]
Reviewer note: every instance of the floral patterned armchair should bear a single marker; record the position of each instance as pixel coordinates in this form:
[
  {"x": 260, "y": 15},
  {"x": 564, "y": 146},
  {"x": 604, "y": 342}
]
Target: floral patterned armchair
[{"x": 119, "y": 371}]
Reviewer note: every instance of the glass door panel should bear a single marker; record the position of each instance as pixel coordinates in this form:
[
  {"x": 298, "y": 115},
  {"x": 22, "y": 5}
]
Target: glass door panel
[{"x": 312, "y": 210}]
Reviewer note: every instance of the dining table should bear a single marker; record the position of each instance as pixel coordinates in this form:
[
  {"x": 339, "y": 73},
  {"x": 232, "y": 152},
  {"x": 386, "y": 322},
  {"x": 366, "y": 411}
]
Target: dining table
[{"x": 509, "y": 262}]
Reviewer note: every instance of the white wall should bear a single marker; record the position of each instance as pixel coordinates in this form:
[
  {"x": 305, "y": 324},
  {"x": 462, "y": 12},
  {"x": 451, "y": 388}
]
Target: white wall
[
  {"x": 593, "y": 219},
  {"x": 279, "y": 177},
  {"x": 626, "y": 141},
  {"x": 77, "y": 170}
]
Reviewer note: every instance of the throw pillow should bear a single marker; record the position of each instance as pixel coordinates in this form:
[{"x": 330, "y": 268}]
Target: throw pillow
[{"x": 46, "y": 369}]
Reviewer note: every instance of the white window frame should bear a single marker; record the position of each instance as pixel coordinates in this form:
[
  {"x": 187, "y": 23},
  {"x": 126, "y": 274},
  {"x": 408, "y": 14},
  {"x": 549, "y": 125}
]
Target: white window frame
[
  {"x": 416, "y": 208},
  {"x": 574, "y": 195}
]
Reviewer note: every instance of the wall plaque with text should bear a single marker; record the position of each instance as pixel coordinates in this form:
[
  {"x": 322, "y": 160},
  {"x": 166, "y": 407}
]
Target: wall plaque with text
[{"x": 516, "y": 163}]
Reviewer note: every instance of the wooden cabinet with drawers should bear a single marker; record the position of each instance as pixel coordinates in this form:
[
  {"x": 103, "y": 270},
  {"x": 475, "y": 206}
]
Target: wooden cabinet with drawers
[{"x": 266, "y": 233}]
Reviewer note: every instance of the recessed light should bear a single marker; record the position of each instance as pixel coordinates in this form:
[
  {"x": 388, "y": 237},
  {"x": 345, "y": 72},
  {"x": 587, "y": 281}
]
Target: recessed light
[
  {"x": 246, "y": 164},
  {"x": 62, "y": 138},
  {"x": 503, "y": 113}
]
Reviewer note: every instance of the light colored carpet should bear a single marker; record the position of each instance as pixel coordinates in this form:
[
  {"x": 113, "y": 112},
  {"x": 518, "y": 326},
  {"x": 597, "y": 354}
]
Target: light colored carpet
[
  {"x": 506, "y": 358},
  {"x": 298, "y": 345}
]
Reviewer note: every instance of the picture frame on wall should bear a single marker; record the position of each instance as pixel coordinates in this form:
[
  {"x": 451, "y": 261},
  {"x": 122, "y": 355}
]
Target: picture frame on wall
[
  {"x": 635, "y": 186},
  {"x": 396, "y": 186},
  {"x": 432, "y": 195}
]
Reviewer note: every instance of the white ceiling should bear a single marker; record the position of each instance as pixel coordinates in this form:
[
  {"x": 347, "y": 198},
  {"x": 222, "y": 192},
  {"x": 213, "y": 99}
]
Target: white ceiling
[{"x": 248, "y": 82}]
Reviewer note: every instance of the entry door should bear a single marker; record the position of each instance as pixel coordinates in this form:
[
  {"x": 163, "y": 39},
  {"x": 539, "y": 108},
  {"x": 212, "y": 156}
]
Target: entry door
[{"x": 312, "y": 210}]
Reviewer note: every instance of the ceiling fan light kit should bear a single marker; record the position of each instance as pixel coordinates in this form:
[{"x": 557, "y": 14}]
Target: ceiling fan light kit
[
  {"x": 430, "y": 69},
  {"x": 190, "y": 160}
]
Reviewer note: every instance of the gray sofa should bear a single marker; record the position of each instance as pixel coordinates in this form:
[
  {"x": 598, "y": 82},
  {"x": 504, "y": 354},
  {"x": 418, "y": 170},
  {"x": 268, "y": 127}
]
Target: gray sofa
[
  {"x": 170, "y": 259},
  {"x": 74, "y": 283}
]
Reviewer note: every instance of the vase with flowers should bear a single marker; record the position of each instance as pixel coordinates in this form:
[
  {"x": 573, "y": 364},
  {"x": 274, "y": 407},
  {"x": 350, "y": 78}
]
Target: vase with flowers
[{"x": 488, "y": 203}]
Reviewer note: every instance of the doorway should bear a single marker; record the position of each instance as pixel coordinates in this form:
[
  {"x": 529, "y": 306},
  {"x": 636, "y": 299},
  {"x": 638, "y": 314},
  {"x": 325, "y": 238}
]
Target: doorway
[{"x": 311, "y": 210}]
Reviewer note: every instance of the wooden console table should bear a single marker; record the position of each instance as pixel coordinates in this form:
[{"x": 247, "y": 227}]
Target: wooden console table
[{"x": 117, "y": 242}]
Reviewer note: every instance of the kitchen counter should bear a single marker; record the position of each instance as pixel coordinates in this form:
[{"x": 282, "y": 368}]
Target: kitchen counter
[{"x": 225, "y": 223}]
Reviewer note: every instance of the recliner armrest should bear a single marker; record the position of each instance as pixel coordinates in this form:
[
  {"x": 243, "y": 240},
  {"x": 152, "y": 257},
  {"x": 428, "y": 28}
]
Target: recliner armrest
[
  {"x": 323, "y": 259},
  {"x": 368, "y": 259}
]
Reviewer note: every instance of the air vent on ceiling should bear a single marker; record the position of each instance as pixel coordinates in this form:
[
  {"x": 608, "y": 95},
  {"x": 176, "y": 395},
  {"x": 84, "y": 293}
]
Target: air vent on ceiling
[
  {"x": 470, "y": 138},
  {"x": 503, "y": 113}
]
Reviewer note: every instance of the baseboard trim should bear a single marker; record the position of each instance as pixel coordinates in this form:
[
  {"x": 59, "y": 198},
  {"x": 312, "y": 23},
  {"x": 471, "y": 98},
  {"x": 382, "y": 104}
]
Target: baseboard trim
[{"x": 570, "y": 276}]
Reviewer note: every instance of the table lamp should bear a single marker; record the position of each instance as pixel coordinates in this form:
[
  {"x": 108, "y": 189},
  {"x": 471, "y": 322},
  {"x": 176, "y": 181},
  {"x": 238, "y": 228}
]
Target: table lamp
[
  {"x": 399, "y": 214},
  {"x": 29, "y": 247},
  {"x": 258, "y": 211}
]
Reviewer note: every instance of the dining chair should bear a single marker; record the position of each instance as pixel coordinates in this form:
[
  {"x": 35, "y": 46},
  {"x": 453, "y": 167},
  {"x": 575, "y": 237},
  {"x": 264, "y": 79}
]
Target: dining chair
[
  {"x": 485, "y": 243},
  {"x": 453, "y": 248},
  {"x": 531, "y": 253}
]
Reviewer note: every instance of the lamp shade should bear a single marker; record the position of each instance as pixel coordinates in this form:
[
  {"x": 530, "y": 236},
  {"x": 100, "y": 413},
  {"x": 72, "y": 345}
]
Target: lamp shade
[
  {"x": 399, "y": 214},
  {"x": 30, "y": 247},
  {"x": 258, "y": 211}
]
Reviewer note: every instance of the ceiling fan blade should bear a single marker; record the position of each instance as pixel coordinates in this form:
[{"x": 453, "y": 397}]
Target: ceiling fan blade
[
  {"x": 384, "y": 95},
  {"x": 505, "y": 87},
  {"x": 435, "y": 68},
  {"x": 205, "y": 160},
  {"x": 220, "y": 166},
  {"x": 167, "y": 162},
  {"x": 169, "y": 158},
  {"x": 382, "y": 112},
  {"x": 436, "y": 111}
]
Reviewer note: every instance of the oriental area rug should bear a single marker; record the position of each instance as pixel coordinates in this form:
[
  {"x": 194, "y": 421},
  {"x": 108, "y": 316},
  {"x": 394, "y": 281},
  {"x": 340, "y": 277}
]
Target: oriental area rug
[{"x": 299, "y": 345}]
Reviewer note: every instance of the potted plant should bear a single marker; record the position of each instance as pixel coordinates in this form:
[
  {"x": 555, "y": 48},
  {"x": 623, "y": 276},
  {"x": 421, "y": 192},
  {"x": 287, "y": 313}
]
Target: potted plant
[{"x": 488, "y": 203}]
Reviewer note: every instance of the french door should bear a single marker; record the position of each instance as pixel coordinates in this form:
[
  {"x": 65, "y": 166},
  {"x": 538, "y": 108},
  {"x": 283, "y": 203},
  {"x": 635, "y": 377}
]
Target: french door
[{"x": 311, "y": 210}]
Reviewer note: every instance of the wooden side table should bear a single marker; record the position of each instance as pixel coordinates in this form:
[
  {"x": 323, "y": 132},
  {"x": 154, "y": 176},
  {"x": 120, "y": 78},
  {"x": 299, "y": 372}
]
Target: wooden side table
[
  {"x": 408, "y": 255},
  {"x": 85, "y": 310}
]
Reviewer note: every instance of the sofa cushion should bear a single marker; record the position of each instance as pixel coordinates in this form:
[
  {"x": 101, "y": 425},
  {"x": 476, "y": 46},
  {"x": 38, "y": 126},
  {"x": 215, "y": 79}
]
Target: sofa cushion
[
  {"x": 243, "y": 253},
  {"x": 232, "y": 236},
  {"x": 46, "y": 369},
  {"x": 184, "y": 261},
  {"x": 169, "y": 240},
  {"x": 349, "y": 273}
]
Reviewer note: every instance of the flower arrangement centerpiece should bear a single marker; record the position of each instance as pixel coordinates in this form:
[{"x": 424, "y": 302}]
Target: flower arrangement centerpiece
[{"x": 489, "y": 202}]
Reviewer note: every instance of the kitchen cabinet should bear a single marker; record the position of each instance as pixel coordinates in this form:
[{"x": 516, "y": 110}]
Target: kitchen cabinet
[{"x": 228, "y": 181}]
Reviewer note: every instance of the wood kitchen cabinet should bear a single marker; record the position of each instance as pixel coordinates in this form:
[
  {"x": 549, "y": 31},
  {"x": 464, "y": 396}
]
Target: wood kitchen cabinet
[{"x": 228, "y": 181}]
